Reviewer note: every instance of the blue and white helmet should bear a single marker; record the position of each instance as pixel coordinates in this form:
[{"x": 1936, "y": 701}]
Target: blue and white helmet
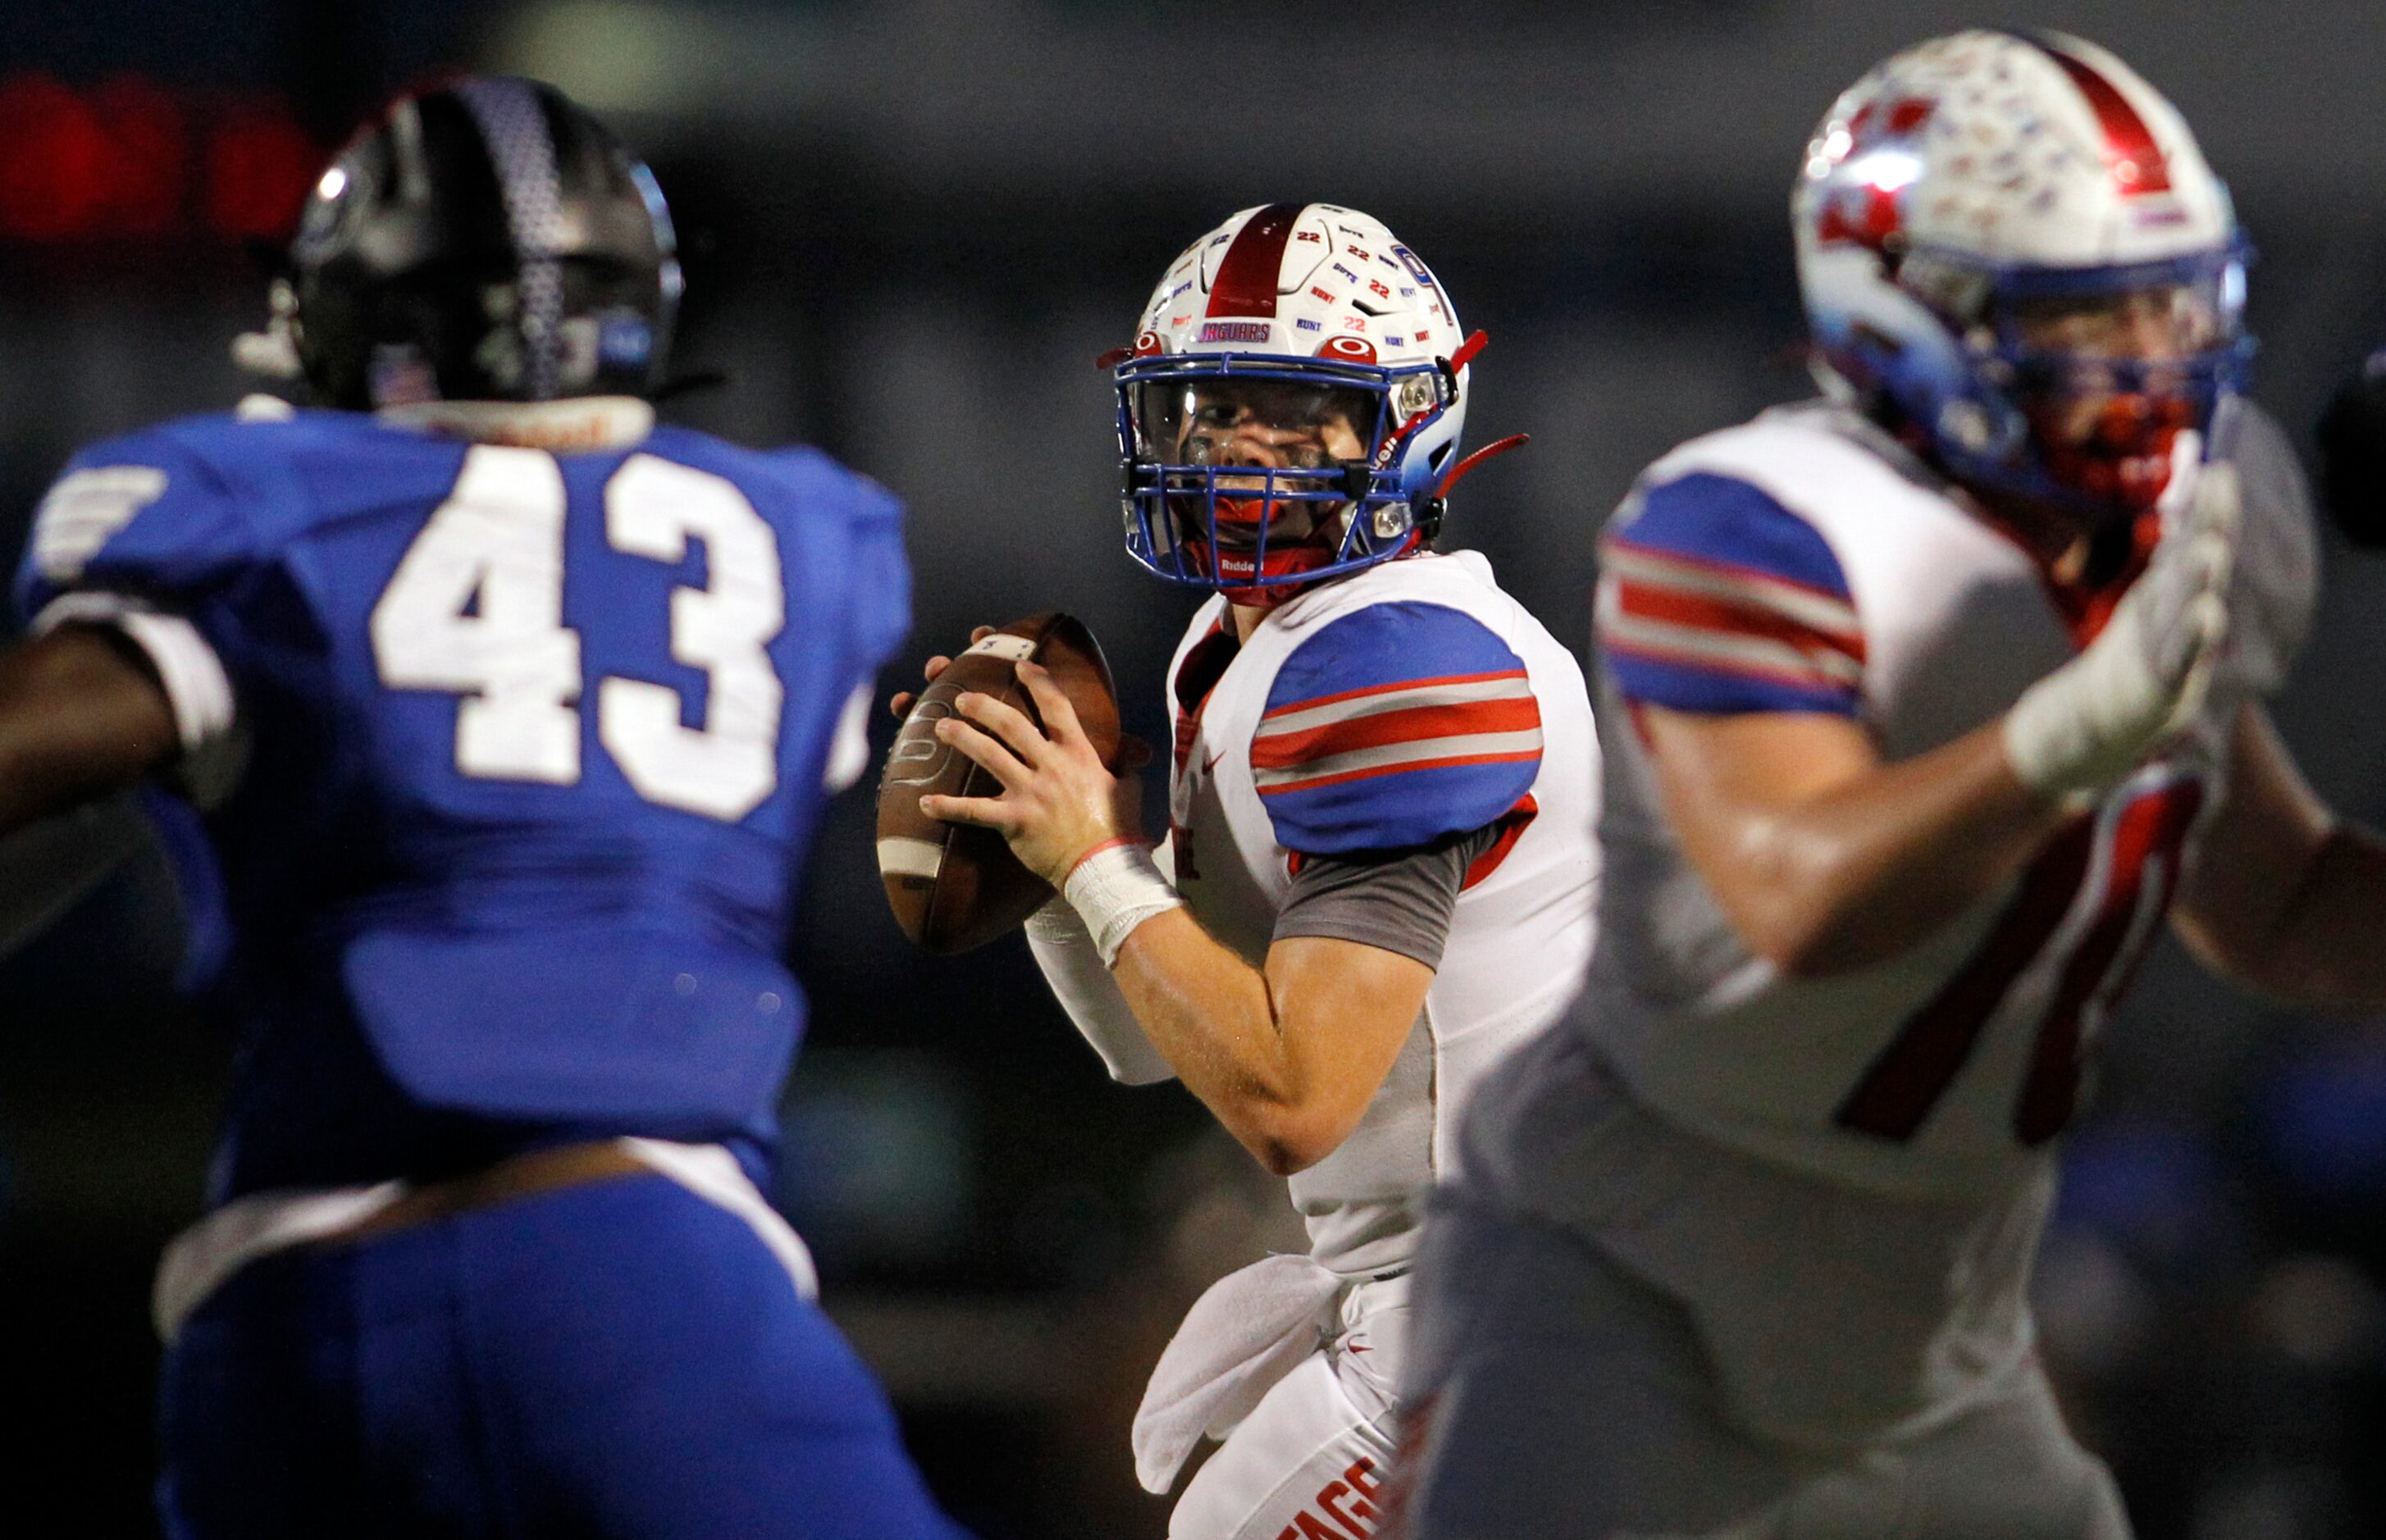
[
  {"x": 1978, "y": 174},
  {"x": 1320, "y": 301}
]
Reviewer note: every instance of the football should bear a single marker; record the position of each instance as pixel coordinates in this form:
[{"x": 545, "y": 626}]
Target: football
[{"x": 954, "y": 887}]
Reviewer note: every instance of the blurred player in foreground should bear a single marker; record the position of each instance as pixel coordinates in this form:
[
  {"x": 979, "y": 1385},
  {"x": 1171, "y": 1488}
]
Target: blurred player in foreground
[
  {"x": 1378, "y": 875},
  {"x": 511, "y": 714},
  {"x": 1925, "y": 702}
]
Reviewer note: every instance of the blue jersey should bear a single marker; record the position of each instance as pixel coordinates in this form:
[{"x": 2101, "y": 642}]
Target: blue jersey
[{"x": 534, "y": 746}]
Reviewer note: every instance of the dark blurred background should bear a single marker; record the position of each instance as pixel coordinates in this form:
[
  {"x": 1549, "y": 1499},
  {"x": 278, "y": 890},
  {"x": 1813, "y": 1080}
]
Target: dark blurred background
[{"x": 911, "y": 226}]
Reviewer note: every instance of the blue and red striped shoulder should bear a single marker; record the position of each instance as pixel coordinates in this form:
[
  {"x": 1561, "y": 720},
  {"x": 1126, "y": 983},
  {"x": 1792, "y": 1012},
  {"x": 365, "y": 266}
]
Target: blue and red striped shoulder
[
  {"x": 1715, "y": 598},
  {"x": 1392, "y": 726}
]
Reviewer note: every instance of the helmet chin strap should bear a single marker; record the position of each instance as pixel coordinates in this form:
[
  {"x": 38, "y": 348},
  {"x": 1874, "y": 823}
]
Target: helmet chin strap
[{"x": 1513, "y": 441}]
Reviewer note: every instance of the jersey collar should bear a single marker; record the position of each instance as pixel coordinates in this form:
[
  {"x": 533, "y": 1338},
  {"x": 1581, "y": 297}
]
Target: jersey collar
[{"x": 582, "y": 422}]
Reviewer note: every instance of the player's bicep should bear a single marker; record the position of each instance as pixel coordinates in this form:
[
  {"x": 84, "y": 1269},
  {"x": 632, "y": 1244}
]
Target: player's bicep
[
  {"x": 1751, "y": 763},
  {"x": 82, "y": 714},
  {"x": 1730, "y": 785},
  {"x": 1350, "y": 1006}
]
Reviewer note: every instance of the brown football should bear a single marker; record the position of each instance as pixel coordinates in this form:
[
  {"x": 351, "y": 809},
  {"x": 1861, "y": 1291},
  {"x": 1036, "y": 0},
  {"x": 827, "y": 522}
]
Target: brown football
[{"x": 954, "y": 886}]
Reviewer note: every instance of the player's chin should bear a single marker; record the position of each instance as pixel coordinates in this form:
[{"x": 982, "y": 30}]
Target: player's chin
[{"x": 1255, "y": 584}]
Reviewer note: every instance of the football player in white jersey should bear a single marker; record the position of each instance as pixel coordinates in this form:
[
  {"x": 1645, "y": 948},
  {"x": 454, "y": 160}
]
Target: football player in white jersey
[
  {"x": 1925, "y": 703},
  {"x": 1379, "y": 874}
]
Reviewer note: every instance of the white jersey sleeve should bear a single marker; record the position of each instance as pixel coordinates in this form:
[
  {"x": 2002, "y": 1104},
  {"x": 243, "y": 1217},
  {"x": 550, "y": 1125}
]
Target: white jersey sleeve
[
  {"x": 1804, "y": 562},
  {"x": 1410, "y": 701}
]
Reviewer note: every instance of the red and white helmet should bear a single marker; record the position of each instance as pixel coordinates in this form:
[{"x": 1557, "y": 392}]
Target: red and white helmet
[
  {"x": 1971, "y": 177},
  {"x": 1318, "y": 303}
]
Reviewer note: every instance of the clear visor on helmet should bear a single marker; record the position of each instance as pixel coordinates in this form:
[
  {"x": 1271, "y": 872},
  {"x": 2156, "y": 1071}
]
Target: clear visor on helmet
[
  {"x": 2106, "y": 366},
  {"x": 2148, "y": 317},
  {"x": 1247, "y": 473},
  {"x": 1262, "y": 424}
]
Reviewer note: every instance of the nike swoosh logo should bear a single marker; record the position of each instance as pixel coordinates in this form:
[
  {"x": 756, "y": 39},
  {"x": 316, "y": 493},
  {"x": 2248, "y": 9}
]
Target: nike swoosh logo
[{"x": 1211, "y": 762}]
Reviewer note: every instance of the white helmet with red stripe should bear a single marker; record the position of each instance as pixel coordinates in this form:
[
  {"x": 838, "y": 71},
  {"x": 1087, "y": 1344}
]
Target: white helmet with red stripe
[
  {"x": 1291, "y": 406},
  {"x": 1963, "y": 197}
]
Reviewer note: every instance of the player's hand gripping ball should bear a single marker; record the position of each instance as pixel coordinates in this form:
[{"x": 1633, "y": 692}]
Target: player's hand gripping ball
[{"x": 954, "y": 885}]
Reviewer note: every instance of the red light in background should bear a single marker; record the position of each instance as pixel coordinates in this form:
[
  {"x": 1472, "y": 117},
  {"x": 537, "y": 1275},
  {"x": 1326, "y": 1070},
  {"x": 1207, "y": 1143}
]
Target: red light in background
[
  {"x": 150, "y": 148},
  {"x": 124, "y": 161},
  {"x": 54, "y": 160},
  {"x": 260, "y": 165}
]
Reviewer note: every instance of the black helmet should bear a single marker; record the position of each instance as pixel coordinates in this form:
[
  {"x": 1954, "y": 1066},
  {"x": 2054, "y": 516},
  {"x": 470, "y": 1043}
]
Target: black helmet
[{"x": 484, "y": 240}]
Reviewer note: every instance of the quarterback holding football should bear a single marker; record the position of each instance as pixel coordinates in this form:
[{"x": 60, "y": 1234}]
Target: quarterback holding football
[
  {"x": 1378, "y": 875},
  {"x": 1927, "y": 702}
]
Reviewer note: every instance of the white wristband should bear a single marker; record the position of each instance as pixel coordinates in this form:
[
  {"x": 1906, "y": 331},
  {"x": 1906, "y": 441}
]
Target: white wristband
[{"x": 1115, "y": 889}]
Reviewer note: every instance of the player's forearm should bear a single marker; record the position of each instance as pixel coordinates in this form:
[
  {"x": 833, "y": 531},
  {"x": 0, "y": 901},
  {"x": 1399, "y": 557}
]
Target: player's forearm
[
  {"x": 1081, "y": 983},
  {"x": 1875, "y": 864},
  {"x": 2324, "y": 944},
  {"x": 2285, "y": 896},
  {"x": 1213, "y": 1017},
  {"x": 78, "y": 720}
]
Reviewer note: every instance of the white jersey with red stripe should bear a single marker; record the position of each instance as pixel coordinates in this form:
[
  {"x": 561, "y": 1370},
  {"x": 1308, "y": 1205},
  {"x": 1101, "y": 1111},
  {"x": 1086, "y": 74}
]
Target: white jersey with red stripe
[
  {"x": 1408, "y": 702},
  {"x": 1837, "y": 1181},
  {"x": 1804, "y": 562}
]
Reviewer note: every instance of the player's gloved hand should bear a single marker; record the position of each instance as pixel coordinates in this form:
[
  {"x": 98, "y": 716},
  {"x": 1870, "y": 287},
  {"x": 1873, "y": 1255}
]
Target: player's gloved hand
[{"x": 2144, "y": 678}]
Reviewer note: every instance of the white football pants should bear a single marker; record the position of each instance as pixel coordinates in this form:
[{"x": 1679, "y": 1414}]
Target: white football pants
[
  {"x": 1309, "y": 1461},
  {"x": 1551, "y": 1394}
]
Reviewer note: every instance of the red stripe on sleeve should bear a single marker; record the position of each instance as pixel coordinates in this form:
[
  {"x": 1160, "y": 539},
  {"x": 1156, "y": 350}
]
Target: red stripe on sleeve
[
  {"x": 1436, "y": 681},
  {"x": 1523, "y": 757},
  {"x": 1285, "y": 750},
  {"x": 1701, "y": 612}
]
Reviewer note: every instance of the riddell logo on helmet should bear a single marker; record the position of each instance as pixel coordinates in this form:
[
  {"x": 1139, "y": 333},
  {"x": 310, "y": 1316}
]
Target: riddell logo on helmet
[{"x": 1235, "y": 332}]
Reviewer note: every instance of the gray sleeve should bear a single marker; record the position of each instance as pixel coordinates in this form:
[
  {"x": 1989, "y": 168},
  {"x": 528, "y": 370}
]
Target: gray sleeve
[{"x": 1399, "y": 900}]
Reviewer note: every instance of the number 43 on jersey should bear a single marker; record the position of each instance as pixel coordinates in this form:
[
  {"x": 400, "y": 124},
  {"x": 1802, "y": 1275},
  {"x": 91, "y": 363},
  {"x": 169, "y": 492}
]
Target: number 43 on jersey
[{"x": 475, "y": 608}]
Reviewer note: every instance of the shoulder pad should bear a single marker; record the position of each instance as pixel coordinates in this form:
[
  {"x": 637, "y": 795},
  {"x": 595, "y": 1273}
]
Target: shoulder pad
[
  {"x": 1392, "y": 726},
  {"x": 1714, "y": 597},
  {"x": 148, "y": 513}
]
